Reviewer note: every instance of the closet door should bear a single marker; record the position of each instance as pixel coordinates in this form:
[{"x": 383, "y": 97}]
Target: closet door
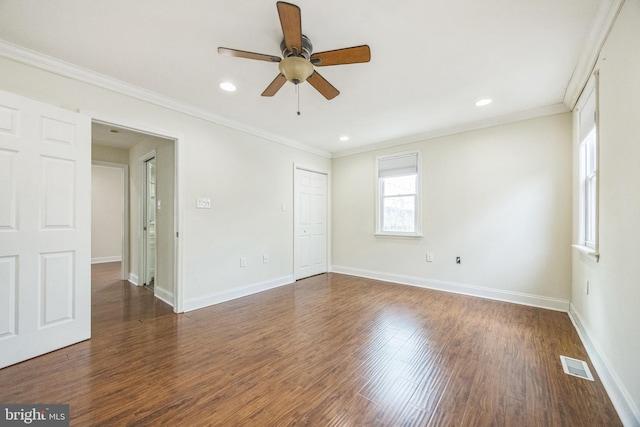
[{"x": 310, "y": 249}]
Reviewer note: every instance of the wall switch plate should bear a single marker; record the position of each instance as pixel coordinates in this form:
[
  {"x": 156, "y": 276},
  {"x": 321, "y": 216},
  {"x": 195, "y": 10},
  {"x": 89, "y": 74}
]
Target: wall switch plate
[
  {"x": 429, "y": 257},
  {"x": 243, "y": 261},
  {"x": 203, "y": 203},
  {"x": 265, "y": 259}
]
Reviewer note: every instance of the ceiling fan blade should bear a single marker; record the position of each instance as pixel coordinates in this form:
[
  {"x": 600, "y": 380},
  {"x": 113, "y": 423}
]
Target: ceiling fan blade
[
  {"x": 247, "y": 55},
  {"x": 323, "y": 86},
  {"x": 275, "y": 85},
  {"x": 348, "y": 55},
  {"x": 291, "y": 23}
]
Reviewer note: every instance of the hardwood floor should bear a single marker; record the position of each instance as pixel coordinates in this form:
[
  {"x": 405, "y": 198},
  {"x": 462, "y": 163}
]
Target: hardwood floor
[{"x": 331, "y": 350}]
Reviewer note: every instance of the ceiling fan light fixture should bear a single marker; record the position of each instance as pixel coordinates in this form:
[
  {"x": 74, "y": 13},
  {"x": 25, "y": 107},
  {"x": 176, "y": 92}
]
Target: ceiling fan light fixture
[
  {"x": 297, "y": 65},
  {"x": 295, "y": 69}
]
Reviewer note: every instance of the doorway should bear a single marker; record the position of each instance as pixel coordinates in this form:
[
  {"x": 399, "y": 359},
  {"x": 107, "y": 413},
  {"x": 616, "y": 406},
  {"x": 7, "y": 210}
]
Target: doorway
[
  {"x": 110, "y": 214},
  {"x": 149, "y": 255},
  {"x": 153, "y": 208}
]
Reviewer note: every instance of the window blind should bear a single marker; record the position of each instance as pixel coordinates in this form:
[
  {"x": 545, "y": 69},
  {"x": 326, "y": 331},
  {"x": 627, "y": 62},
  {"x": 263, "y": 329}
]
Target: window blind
[
  {"x": 398, "y": 165},
  {"x": 588, "y": 115}
]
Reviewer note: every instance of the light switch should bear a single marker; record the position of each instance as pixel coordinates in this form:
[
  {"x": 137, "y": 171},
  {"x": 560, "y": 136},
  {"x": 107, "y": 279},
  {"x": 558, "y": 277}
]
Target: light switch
[{"x": 203, "y": 203}]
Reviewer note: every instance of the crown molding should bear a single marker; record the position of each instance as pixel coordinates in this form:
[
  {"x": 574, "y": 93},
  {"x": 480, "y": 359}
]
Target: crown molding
[
  {"x": 65, "y": 69},
  {"x": 602, "y": 25},
  {"x": 465, "y": 127}
]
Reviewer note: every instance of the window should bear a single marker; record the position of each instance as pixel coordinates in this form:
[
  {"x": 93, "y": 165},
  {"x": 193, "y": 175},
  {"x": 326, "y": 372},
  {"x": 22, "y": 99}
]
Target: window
[
  {"x": 588, "y": 158},
  {"x": 398, "y": 196},
  {"x": 588, "y": 148}
]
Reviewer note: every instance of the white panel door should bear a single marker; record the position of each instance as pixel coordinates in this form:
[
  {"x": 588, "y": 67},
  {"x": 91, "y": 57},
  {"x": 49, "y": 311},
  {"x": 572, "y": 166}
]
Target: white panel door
[
  {"x": 45, "y": 228},
  {"x": 310, "y": 223}
]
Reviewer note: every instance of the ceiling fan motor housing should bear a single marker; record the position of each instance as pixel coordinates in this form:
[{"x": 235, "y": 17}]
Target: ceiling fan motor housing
[{"x": 307, "y": 49}]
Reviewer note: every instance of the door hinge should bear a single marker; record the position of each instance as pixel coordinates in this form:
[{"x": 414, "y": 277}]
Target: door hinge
[{"x": 177, "y": 234}]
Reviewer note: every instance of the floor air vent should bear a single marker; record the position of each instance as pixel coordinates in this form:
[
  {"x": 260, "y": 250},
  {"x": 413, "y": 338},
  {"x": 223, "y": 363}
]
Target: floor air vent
[{"x": 575, "y": 367}]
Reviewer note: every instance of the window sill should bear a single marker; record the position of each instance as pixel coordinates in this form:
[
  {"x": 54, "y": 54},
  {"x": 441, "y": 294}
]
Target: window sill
[
  {"x": 400, "y": 236},
  {"x": 587, "y": 251}
]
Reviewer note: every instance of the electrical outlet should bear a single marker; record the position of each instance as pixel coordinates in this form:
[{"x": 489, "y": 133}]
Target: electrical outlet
[
  {"x": 243, "y": 261},
  {"x": 265, "y": 259},
  {"x": 429, "y": 257},
  {"x": 458, "y": 260}
]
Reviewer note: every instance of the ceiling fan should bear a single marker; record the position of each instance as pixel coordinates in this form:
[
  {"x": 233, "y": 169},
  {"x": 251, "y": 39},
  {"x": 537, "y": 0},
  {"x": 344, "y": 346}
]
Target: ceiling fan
[{"x": 297, "y": 64}]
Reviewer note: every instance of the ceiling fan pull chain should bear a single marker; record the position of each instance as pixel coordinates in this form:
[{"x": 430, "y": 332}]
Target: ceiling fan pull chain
[{"x": 298, "y": 92}]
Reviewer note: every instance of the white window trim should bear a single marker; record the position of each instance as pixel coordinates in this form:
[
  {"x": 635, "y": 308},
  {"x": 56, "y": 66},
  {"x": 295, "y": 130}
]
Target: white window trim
[
  {"x": 418, "y": 208},
  {"x": 590, "y": 248}
]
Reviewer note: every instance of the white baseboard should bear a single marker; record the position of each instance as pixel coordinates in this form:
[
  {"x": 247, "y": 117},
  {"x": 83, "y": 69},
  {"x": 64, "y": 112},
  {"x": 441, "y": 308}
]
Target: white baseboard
[
  {"x": 133, "y": 278},
  {"x": 459, "y": 288},
  {"x": 103, "y": 259},
  {"x": 163, "y": 295},
  {"x": 627, "y": 410},
  {"x": 217, "y": 298}
]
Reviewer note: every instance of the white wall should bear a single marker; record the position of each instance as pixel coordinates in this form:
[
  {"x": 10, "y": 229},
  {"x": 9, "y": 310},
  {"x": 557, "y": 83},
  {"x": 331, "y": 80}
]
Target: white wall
[
  {"x": 500, "y": 198},
  {"x": 106, "y": 213},
  {"x": 106, "y": 153},
  {"x": 610, "y": 313},
  {"x": 246, "y": 177},
  {"x": 247, "y": 180}
]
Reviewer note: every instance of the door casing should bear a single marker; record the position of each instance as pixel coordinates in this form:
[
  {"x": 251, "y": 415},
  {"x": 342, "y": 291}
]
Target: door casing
[
  {"x": 144, "y": 214},
  {"x": 177, "y": 138}
]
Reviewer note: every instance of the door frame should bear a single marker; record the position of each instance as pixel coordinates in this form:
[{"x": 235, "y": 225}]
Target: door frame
[
  {"x": 296, "y": 167},
  {"x": 142, "y": 202},
  {"x": 124, "y": 264},
  {"x": 142, "y": 127}
]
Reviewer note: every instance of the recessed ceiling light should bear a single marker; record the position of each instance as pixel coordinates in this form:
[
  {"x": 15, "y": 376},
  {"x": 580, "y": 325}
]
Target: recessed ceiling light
[
  {"x": 344, "y": 138},
  {"x": 228, "y": 86},
  {"x": 483, "y": 102}
]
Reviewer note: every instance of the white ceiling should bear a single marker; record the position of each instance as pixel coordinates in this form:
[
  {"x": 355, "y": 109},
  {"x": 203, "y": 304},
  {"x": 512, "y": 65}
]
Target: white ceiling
[
  {"x": 113, "y": 136},
  {"x": 431, "y": 60}
]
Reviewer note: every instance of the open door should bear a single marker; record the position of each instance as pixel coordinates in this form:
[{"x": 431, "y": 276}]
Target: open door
[{"x": 45, "y": 228}]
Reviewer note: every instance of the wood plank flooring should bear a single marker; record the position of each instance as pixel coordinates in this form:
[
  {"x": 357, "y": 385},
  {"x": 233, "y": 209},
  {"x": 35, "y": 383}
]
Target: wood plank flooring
[{"x": 331, "y": 350}]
